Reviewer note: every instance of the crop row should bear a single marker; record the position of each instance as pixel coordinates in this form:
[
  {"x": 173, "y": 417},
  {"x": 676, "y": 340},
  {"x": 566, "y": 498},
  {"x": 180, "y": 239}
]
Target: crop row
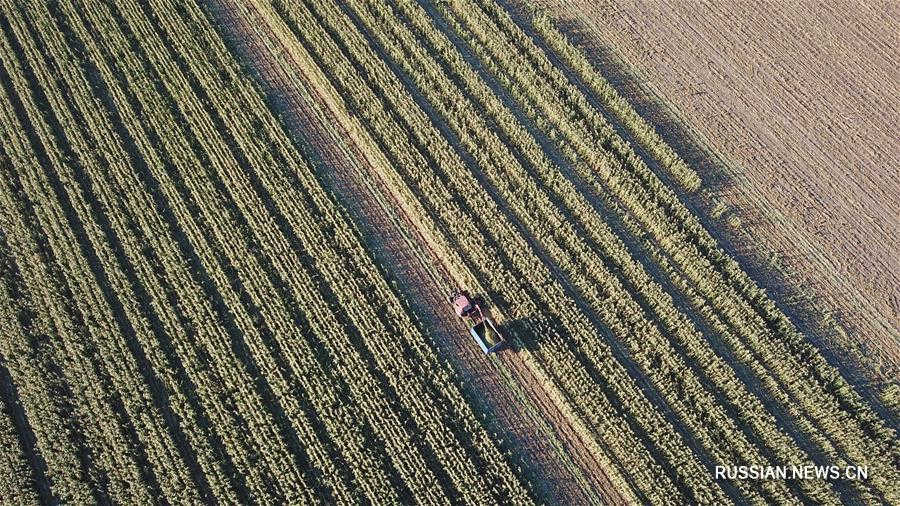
[
  {"x": 185, "y": 189},
  {"x": 87, "y": 381},
  {"x": 637, "y": 126},
  {"x": 18, "y": 481},
  {"x": 32, "y": 362},
  {"x": 206, "y": 262},
  {"x": 397, "y": 139}
]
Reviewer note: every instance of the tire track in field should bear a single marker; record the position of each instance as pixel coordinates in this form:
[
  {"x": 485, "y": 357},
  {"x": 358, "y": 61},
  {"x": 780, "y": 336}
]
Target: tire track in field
[{"x": 544, "y": 441}]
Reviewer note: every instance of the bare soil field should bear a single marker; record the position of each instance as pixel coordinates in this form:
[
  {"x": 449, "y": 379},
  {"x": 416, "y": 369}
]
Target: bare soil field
[{"x": 801, "y": 104}]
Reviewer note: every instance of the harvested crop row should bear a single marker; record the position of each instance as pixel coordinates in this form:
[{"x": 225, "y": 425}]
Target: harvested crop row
[{"x": 124, "y": 476}]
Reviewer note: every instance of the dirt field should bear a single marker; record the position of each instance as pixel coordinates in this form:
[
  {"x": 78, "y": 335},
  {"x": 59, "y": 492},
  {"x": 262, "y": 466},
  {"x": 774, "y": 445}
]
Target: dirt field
[{"x": 801, "y": 101}]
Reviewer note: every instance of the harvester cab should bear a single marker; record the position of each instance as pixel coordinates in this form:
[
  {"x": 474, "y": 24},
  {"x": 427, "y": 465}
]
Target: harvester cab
[{"x": 481, "y": 327}]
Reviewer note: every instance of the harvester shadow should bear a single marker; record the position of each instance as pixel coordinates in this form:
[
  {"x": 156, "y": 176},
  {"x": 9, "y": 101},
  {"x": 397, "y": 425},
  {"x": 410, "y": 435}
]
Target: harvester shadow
[{"x": 517, "y": 336}]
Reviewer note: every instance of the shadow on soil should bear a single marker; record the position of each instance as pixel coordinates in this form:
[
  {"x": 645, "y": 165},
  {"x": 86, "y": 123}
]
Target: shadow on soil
[{"x": 517, "y": 335}]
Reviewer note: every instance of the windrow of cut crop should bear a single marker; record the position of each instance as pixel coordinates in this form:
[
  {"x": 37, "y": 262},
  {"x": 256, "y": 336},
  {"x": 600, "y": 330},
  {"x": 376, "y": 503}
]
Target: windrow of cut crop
[
  {"x": 813, "y": 407},
  {"x": 187, "y": 335},
  {"x": 293, "y": 485},
  {"x": 115, "y": 227},
  {"x": 404, "y": 107},
  {"x": 105, "y": 190},
  {"x": 809, "y": 405},
  {"x": 22, "y": 480},
  {"x": 299, "y": 62},
  {"x": 639, "y": 128},
  {"x": 499, "y": 157},
  {"x": 279, "y": 330},
  {"x": 124, "y": 175},
  {"x": 358, "y": 360},
  {"x": 31, "y": 361},
  {"x": 87, "y": 386},
  {"x": 415, "y": 341},
  {"x": 106, "y": 201},
  {"x": 329, "y": 330},
  {"x": 16, "y": 482},
  {"x": 317, "y": 392},
  {"x": 108, "y": 430},
  {"x": 327, "y": 401}
]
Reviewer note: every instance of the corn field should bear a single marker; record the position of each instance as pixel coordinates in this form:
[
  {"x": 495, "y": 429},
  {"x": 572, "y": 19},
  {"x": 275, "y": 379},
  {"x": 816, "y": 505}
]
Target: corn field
[{"x": 192, "y": 313}]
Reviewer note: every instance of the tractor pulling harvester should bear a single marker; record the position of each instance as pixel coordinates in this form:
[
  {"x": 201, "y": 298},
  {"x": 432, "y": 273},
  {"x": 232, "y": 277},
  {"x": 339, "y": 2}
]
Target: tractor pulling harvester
[{"x": 482, "y": 328}]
